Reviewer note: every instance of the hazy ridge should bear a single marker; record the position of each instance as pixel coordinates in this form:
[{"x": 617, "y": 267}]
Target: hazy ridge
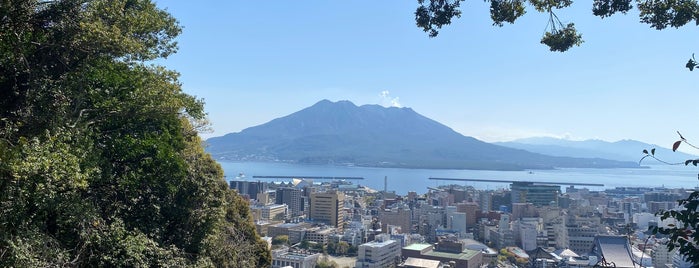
[{"x": 623, "y": 150}]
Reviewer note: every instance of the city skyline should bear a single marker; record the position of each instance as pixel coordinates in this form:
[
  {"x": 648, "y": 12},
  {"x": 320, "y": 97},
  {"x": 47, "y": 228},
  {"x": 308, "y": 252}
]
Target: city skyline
[{"x": 253, "y": 62}]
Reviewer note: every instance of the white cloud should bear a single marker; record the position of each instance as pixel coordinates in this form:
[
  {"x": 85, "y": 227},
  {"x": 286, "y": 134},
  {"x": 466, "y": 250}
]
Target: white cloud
[{"x": 388, "y": 101}]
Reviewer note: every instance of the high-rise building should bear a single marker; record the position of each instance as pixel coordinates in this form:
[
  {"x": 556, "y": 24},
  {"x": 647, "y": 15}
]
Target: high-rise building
[
  {"x": 327, "y": 207},
  {"x": 537, "y": 194},
  {"x": 658, "y": 206},
  {"x": 292, "y": 198},
  {"x": 485, "y": 199},
  {"x": 250, "y": 189},
  {"x": 471, "y": 209}
]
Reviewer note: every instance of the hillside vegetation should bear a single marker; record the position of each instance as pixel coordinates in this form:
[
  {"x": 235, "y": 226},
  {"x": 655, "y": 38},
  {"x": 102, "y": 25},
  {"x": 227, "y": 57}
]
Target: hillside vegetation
[{"x": 100, "y": 161}]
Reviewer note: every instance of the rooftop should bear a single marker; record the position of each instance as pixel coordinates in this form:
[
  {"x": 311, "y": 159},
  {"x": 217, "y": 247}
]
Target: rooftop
[
  {"x": 378, "y": 244},
  {"x": 417, "y": 246},
  {"x": 422, "y": 263},
  {"x": 467, "y": 254},
  {"x": 614, "y": 249}
]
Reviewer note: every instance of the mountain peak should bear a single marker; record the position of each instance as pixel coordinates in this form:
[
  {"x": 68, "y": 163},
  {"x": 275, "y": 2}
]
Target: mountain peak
[
  {"x": 328, "y": 103},
  {"x": 373, "y": 135}
]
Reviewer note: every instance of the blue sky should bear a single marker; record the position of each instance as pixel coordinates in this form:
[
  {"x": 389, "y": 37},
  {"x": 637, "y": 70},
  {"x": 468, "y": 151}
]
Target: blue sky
[{"x": 253, "y": 61}]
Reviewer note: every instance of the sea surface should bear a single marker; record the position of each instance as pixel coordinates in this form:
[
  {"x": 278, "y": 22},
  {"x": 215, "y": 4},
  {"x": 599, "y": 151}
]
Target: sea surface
[{"x": 403, "y": 180}]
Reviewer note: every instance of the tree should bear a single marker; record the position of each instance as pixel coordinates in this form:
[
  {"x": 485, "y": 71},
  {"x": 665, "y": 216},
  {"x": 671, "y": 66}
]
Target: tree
[
  {"x": 432, "y": 15},
  {"x": 683, "y": 233},
  {"x": 342, "y": 248},
  {"x": 304, "y": 244},
  {"x": 332, "y": 247},
  {"x": 280, "y": 240},
  {"x": 100, "y": 159},
  {"x": 325, "y": 262}
]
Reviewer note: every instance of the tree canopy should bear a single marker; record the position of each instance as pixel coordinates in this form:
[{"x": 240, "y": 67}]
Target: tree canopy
[
  {"x": 432, "y": 15},
  {"x": 100, "y": 159}
]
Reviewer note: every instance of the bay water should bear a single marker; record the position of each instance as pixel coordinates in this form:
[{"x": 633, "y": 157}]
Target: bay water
[{"x": 403, "y": 180}]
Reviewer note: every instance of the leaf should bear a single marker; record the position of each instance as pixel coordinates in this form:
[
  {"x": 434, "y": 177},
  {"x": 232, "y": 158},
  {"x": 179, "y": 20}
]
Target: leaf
[
  {"x": 676, "y": 144},
  {"x": 652, "y": 151},
  {"x": 645, "y": 151},
  {"x": 687, "y": 162},
  {"x": 690, "y": 65},
  {"x": 694, "y": 162}
]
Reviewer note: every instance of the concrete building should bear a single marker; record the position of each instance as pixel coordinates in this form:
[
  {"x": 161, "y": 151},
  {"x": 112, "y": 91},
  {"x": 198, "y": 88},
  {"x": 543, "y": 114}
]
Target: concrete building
[
  {"x": 523, "y": 210},
  {"x": 382, "y": 252},
  {"x": 328, "y": 208},
  {"x": 285, "y": 258},
  {"x": 528, "y": 233},
  {"x": 471, "y": 209},
  {"x": 465, "y": 258},
  {"x": 318, "y": 234},
  {"x": 485, "y": 200},
  {"x": 292, "y": 198},
  {"x": 580, "y": 233},
  {"x": 537, "y": 194},
  {"x": 295, "y": 231},
  {"x": 456, "y": 222},
  {"x": 658, "y": 206},
  {"x": 581, "y": 237},
  {"x": 400, "y": 216},
  {"x": 272, "y": 212},
  {"x": 249, "y": 189},
  {"x": 419, "y": 263},
  {"x": 662, "y": 256}
]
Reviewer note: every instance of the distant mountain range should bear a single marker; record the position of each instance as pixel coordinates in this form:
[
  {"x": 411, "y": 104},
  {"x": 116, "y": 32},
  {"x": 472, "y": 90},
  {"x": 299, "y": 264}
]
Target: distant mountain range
[
  {"x": 342, "y": 133},
  {"x": 623, "y": 150}
]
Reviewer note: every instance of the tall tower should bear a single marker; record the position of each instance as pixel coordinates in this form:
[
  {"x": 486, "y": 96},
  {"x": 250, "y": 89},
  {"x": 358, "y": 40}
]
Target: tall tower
[{"x": 385, "y": 184}]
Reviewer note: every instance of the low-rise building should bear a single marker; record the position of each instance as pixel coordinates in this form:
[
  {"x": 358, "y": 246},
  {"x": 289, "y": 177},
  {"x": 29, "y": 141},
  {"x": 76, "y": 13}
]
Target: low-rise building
[
  {"x": 382, "y": 252},
  {"x": 285, "y": 258},
  {"x": 466, "y": 258}
]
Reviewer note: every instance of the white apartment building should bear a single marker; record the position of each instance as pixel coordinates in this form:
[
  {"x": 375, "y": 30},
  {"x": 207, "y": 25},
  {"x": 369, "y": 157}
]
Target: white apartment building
[{"x": 382, "y": 252}]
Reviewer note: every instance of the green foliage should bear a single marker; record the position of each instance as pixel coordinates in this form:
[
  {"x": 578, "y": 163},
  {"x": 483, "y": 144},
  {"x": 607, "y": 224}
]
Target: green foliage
[
  {"x": 342, "y": 248},
  {"x": 606, "y": 8},
  {"x": 100, "y": 161},
  {"x": 661, "y": 14},
  {"x": 682, "y": 232},
  {"x": 280, "y": 240},
  {"x": 304, "y": 244},
  {"x": 562, "y": 39},
  {"x": 548, "y": 5},
  {"x": 432, "y": 15},
  {"x": 506, "y": 11},
  {"x": 435, "y": 14}
]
